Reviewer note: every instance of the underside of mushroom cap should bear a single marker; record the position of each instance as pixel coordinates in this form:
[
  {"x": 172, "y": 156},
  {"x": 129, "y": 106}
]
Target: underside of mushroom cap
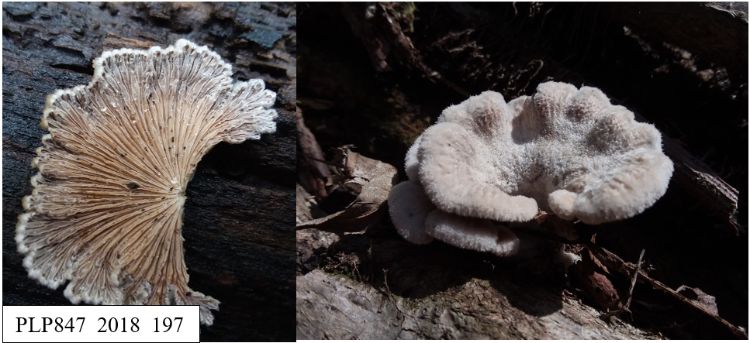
[
  {"x": 563, "y": 149},
  {"x": 106, "y": 208}
]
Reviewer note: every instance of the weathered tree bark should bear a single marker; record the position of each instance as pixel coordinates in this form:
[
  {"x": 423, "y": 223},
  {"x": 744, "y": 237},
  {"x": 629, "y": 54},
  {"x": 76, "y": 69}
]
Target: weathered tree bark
[
  {"x": 375, "y": 75},
  {"x": 331, "y": 306},
  {"x": 238, "y": 224},
  {"x": 712, "y": 31},
  {"x": 705, "y": 186}
]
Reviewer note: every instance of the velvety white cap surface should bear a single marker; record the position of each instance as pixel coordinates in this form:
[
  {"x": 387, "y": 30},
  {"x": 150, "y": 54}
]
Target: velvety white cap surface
[
  {"x": 471, "y": 233},
  {"x": 408, "y": 207},
  {"x": 563, "y": 149}
]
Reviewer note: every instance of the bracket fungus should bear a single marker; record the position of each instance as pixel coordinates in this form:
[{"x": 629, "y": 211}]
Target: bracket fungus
[
  {"x": 106, "y": 208},
  {"x": 562, "y": 150}
]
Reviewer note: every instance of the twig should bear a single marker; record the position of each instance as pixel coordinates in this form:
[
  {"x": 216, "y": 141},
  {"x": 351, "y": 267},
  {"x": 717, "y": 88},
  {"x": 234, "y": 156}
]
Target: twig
[
  {"x": 634, "y": 279},
  {"x": 626, "y": 307},
  {"x": 708, "y": 320}
]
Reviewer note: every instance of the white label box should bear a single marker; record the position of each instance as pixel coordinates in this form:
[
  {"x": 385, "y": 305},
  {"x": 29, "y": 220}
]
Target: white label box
[{"x": 101, "y": 324}]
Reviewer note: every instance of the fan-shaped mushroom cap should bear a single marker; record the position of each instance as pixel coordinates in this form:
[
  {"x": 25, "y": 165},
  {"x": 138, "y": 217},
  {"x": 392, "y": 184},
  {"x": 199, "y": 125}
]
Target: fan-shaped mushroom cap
[
  {"x": 411, "y": 162},
  {"x": 563, "y": 149},
  {"x": 106, "y": 208},
  {"x": 471, "y": 233},
  {"x": 409, "y": 207}
]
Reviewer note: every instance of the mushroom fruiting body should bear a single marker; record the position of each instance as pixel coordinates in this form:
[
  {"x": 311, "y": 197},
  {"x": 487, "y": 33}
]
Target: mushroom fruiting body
[
  {"x": 564, "y": 150},
  {"x": 106, "y": 208}
]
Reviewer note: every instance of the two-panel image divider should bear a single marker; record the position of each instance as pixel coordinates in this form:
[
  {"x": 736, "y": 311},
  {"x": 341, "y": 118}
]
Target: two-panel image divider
[{"x": 282, "y": 171}]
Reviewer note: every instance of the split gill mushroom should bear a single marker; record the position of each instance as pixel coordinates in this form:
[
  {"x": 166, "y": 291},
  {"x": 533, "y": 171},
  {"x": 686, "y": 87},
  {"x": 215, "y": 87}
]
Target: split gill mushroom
[
  {"x": 563, "y": 150},
  {"x": 107, "y": 203}
]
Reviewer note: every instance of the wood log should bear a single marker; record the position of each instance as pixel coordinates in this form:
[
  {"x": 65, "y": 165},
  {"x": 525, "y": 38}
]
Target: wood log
[
  {"x": 335, "y": 307},
  {"x": 238, "y": 223}
]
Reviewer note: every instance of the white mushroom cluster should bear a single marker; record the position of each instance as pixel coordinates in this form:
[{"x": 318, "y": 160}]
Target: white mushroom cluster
[
  {"x": 106, "y": 208},
  {"x": 562, "y": 150}
]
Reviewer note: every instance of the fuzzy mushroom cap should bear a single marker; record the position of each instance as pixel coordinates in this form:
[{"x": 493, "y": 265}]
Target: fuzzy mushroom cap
[
  {"x": 563, "y": 149},
  {"x": 472, "y": 234},
  {"x": 106, "y": 208},
  {"x": 411, "y": 162},
  {"x": 409, "y": 207}
]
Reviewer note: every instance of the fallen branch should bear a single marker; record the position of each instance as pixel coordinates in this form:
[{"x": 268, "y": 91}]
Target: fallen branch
[
  {"x": 705, "y": 320},
  {"x": 634, "y": 279}
]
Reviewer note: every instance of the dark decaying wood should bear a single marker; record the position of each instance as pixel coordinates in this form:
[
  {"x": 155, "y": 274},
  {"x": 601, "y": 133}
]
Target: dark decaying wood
[
  {"x": 238, "y": 224},
  {"x": 722, "y": 26},
  {"x": 711, "y": 324},
  {"x": 375, "y": 75},
  {"x": 312, "y": 170},
  {"x": 705, "y": 186}
]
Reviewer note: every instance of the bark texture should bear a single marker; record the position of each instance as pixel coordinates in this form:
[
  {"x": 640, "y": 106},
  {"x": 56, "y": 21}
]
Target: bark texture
[
  {"x": 239, "y": 210},
  {"x": 476, "y": 309}
]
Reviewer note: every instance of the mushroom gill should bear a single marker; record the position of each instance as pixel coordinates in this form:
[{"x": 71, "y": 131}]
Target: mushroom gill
[{"x": 106, "y": 208}]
